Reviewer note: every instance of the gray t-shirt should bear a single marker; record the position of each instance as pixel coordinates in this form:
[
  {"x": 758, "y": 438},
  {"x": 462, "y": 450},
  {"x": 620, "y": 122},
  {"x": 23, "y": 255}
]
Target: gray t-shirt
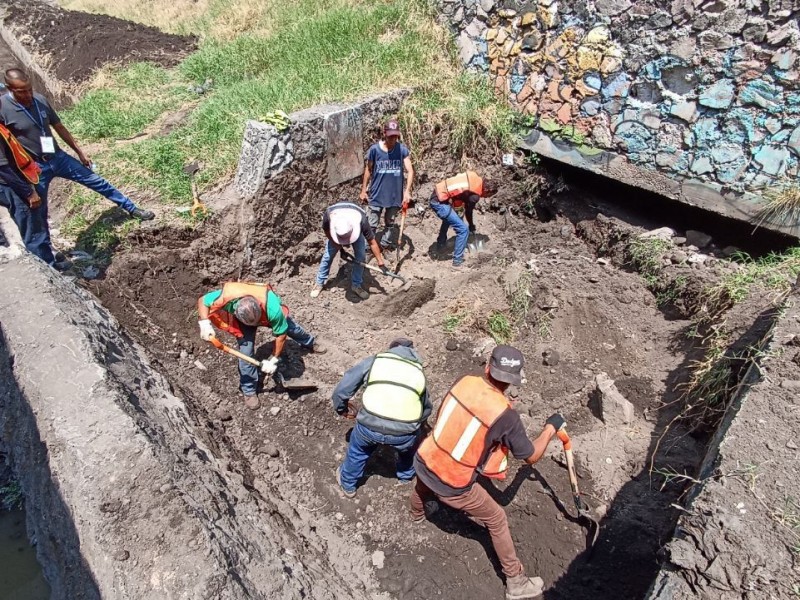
[{"x": 29, "y": 123}]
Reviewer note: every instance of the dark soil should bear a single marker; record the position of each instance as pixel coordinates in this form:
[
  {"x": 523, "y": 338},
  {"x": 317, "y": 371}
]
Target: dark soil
[
  {"x": 152, "y": 289},
  {"x": 76, "y": 44}
]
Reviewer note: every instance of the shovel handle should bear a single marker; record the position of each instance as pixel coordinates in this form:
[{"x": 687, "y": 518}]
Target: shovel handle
[
  {"x": 217, "y": 344},
  {"x": 400, "y": 237},
  {"x": 573, "y": 477},
  {"x": 349, "y": 258}
]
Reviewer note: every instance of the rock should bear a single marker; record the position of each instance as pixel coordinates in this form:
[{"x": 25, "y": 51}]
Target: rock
[
  {"x": 120, "y": 555},
  {"x": 685, "y": 110},
  {"x": 612, "y": 8},
  {"x": 791, "y": 445},
  {"x": 718, "y": 95},
  {"x": 662, "y": 233},
  {"x": 697, "y": 238},
  {"x": 551, "y": 357},
  {"x": 483, "y": 348},
  {"x": 678, "y": 240},
  {"x": 184, "y": 355},
  {"x": 91, "y": 272},
  {"x": 200, "y": 365},
  {"x": 790, "y": 384},
  {"x": 729, "y": 251},
  {"x": 616, "y": 410},
  {"x": 548, "y": 303},
  {"x": 451, "y": 344},
  {"x": 274, "y": 410},
  {"x": 378, "y": 558},
  {"x": 271, "y": 450},
  {"x": 467, "y": 48},
  {"x": 679, "y": 257},
  {"x": 223, "y": 414},
  {"x": 697, "y": 258},
  {"x": 110, "y": 507}
]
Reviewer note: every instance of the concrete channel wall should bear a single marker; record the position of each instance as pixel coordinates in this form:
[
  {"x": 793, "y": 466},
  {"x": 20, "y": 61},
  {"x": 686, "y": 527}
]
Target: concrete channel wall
[
  {"x": 125, "y": 497},
  {"x": 696, "y": 99}
]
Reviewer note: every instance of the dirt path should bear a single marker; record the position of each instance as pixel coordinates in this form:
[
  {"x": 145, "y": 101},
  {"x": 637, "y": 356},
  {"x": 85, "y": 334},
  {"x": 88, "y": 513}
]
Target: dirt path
[{"x": 594, "y": 316}]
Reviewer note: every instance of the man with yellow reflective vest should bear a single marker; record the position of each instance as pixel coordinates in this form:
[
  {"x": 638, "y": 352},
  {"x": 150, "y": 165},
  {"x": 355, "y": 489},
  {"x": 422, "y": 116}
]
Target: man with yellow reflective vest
[
  {"x": 240, "y": 309},
  {"x": 394, "y": 406},
  {"x": 475, "y": 430},
  {"x": 454, "y": 197}
]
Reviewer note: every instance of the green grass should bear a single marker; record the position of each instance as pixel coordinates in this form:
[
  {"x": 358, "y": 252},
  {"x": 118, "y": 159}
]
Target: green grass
[
  {"x": 452, "y": 321},
  {"x": 11, "y": 497},
  {"x": 672, "y": 291},
  {"x": 128, "y": 102},
  {"x": 499, "y": 327},
  {"x": 645, "y": 256},
  {"x": 776, "y": 271}
]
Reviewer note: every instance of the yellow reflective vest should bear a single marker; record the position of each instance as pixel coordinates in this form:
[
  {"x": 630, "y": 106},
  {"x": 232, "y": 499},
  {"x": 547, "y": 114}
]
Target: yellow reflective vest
[{"x": 394, "y": 389}]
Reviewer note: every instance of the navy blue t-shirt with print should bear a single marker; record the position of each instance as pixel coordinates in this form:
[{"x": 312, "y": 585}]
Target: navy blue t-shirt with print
[{"x": 386, "y": 183}]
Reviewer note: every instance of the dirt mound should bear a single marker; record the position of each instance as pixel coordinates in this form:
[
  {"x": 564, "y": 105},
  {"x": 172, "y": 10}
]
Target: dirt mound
[
  {"x": 402, "y": 303},
  {"x": 75, "y": 44}
]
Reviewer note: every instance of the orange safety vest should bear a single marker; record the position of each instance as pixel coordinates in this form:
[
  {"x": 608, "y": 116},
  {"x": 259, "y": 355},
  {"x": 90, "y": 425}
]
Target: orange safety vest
[
  {"x": 454, "y": 448},
  {"x": 453, "y": 187},
  {"x": 27, "y": 166},
  {"x": 233, "y": 290}
]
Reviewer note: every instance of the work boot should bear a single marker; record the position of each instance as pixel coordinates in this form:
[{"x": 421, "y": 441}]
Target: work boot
[
  {"x": 142, "y": 214},
  {"x": 251, "y": 401},
  {"x": 316, "y": 290},
  {"x": 348, "y": 494},
  {"x": 521, "y": 587},
  {"x": 360, "y": 292},
  {"x": 459, "y": 266},
  {"x": 62, "y": 265},
  {"x": 319, "y": 348}
]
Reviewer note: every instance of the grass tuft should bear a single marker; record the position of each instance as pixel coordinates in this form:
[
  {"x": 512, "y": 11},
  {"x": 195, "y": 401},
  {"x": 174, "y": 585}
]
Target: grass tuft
[
  {"x": 499, "y": 327},
  {"x": 645, "y": 256},
  {"x": 782, "y": 205}
]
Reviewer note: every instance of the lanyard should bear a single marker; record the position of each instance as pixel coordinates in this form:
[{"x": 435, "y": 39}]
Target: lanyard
[{"x": 40, "y": 122}]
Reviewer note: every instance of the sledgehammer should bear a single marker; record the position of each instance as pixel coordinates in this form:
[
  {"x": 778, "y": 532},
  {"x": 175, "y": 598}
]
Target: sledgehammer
[{"x": 583, "y": 509}]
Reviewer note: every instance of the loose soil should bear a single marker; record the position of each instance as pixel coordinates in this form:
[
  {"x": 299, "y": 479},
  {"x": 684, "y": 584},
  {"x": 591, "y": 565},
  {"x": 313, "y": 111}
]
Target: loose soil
[
  {"x": 595, "y": 315},
  {"x": 73, "y": 45}
]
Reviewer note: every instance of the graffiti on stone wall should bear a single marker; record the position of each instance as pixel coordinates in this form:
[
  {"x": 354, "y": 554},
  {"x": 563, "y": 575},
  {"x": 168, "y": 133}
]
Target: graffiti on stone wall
[{"x": 702, "y": 89}]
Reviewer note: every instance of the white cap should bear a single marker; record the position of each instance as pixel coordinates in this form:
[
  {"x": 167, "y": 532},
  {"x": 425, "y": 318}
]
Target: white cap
[{"x": 345, "y": 226}]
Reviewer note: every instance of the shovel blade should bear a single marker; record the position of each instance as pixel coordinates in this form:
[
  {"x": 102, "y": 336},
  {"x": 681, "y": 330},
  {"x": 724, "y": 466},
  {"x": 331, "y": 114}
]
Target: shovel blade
[{"x": 298, "y": 383}]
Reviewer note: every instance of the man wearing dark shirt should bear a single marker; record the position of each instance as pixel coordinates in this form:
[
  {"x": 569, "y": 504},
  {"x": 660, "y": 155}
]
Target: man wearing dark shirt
[
  {"x": 475, "y": 430},
  {"x": 346, "y": 224},
  {"x": 386, "y": 185},
  {"x": 20, "y": 197},
  {"x": 31, "y": 119}
]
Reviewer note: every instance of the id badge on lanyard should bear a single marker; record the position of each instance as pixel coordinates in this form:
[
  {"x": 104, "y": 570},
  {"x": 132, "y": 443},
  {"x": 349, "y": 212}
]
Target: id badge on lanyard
[{"x": 48, "y": 144}]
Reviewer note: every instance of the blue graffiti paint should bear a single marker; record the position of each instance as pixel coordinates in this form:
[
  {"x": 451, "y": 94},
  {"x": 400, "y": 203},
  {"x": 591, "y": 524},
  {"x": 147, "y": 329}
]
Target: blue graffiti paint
[
  {"x": 635, "y": 137},
  {"x": 761, "y": 93},
  {"x": 706, "y": 132},
  {"x": 616, "y": 86},
  {"x": 517, "y": 81}
]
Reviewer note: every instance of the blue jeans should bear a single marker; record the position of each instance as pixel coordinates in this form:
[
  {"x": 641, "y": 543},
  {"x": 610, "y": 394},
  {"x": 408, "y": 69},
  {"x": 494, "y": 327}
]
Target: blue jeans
[
  {"x": 450, "y": 219},
  {"x": 248, "y": 374},
  {"x": 31, "y": 222},
  {"x": 360, "y": 253},
  {"x": 65, "y": 166},
  {"x": 363, "y": 443}
]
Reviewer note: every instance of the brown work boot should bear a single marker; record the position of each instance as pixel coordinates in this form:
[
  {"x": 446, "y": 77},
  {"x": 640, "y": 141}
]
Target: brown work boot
[
  {"x": 319, "y": 348},
  {"x": 251, "y": 401},
  {"x": 360, "y": 292},
  {"x": 521, "y": 587}
]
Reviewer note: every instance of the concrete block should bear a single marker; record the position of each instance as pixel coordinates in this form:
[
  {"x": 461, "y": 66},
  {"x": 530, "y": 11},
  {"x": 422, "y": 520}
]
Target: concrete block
[{"x": 344, "y": 133}]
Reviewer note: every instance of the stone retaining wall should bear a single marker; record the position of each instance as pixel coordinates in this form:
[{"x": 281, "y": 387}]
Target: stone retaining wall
[{"x": 701, "y": 91}]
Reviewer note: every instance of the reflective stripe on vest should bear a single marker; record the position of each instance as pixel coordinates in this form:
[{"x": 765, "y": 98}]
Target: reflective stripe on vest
[
  {"x": 457, "y": 185},
  {"x": 26, "y": 165},
  {"x": 233, "y": 290},
  {"x": 394, "y": 388},
  {"x": 454, "y": 449}
]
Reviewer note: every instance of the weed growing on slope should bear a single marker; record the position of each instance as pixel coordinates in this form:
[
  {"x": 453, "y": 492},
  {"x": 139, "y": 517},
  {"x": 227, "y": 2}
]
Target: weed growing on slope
[
  {"x": 11, "y": 497},
  {"x": 782, "y": 205},
  {"x": 499, "y": 327},
  {"x": 645, "y": 256}
]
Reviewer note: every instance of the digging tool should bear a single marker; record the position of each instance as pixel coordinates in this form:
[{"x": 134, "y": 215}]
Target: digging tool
[
  {"x": 191, "y": 170},
  {"x": 475, "y": 245},
  {"x": 350, "y": 258},
  {"x": 583, "y": 509},
  {"x": 400, "y": 238},
  {"x": 288, "y": 384}
]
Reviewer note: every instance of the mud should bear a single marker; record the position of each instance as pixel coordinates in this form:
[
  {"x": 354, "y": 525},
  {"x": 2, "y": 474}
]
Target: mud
[
  {"x": 74, "y": 44},
  {"x": 597, "y": 316}
]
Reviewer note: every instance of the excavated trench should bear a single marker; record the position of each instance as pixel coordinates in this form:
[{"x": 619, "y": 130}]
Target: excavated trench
[{"x": 585, "y": 308}]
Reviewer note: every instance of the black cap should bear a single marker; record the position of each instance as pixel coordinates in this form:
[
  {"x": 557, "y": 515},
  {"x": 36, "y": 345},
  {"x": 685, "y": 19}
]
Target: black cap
[
  {"x": 506, "y": 364},
  {"x": 401, "y": 342}
]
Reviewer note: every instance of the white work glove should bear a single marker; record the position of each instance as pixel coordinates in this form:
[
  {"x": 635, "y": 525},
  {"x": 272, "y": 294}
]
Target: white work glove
[
  {"x": 270, "y": 365},
  {"x": 206, "y": 330}
]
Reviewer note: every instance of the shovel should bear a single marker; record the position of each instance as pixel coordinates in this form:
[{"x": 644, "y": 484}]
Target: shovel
[
  {"x": 475, "y": 245},
  {"x": 287, "y": 384},
  {"x": 191, "y": 170},
  {"x": 350, "y": 258},
  {"x": 583, "y": 510},
  {"x": 400, "y": 237}
]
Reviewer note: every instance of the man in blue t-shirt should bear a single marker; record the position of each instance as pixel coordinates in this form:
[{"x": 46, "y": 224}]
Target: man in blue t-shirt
[{"x": 385, "y": 185}]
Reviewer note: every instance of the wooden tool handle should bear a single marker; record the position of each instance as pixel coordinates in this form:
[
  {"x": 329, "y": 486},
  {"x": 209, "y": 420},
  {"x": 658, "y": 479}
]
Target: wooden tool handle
[{"x": 216, "y": 343}]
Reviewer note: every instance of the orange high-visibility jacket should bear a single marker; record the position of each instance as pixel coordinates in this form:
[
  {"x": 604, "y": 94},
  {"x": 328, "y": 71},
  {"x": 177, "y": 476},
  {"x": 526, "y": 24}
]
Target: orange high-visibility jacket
[
  {"x": 458, "y": 441},
  {"x": 453, "y": 187},
  {"x": 233, "y": 290},
  {"x": 27, "y": 166}
]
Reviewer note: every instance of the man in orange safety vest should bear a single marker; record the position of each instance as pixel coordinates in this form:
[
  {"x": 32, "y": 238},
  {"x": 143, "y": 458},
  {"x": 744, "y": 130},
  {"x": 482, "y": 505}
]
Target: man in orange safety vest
[{"x": 476, "y": 428}]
